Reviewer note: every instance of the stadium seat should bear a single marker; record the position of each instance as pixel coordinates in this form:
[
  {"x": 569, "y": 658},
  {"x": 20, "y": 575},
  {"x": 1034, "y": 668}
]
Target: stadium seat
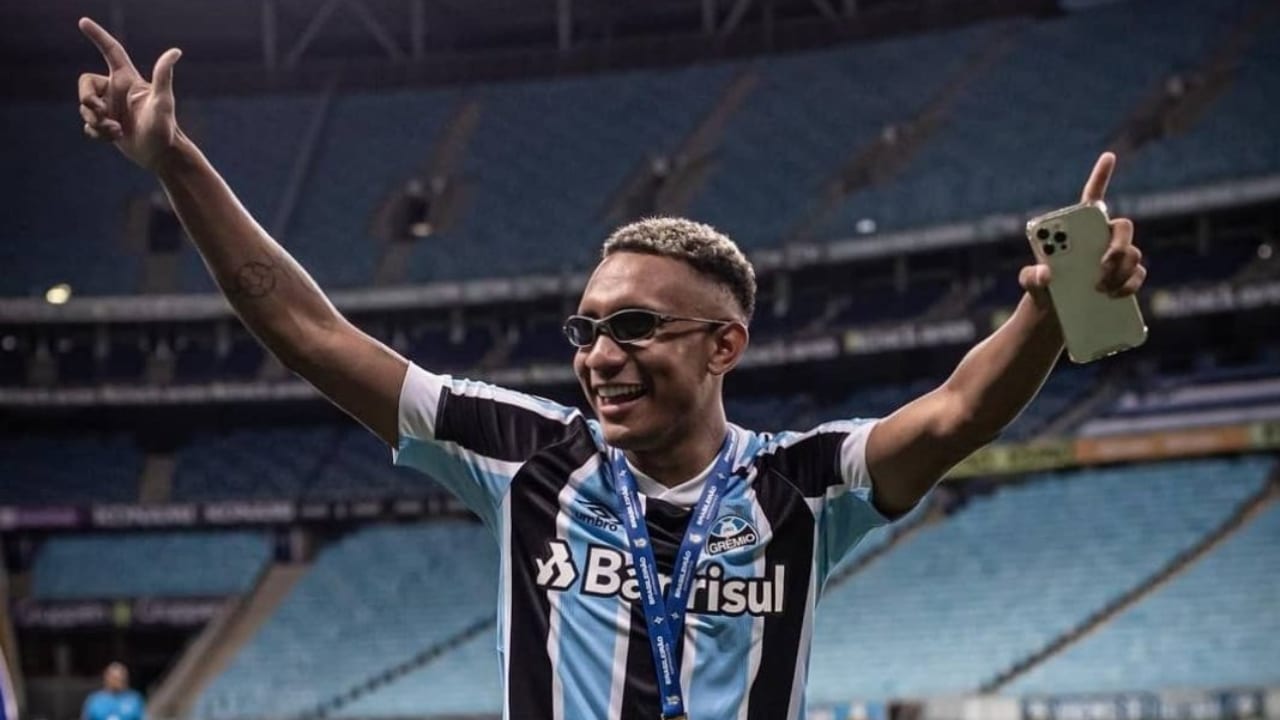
[
  {"x": 101, "y": 467},
  {"x": 997, "y": 155},
  {"x": 962, "y": 600},
  {"x": 149, "y": 564},
  {"x": 1213, "y": 626},
  {"x": 382, "y": 595}
]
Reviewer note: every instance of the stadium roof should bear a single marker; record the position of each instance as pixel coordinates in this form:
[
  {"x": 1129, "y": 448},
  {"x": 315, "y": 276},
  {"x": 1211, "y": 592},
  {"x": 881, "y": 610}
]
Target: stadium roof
[{"x": 247, "y": 45}]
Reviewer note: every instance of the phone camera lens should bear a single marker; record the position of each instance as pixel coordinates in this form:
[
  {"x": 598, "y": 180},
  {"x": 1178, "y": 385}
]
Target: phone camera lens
[
  {"x": 1043, "y": 233},
  {"x": 1059, "y": 237},
  {"x": 1048, "y": 248}
]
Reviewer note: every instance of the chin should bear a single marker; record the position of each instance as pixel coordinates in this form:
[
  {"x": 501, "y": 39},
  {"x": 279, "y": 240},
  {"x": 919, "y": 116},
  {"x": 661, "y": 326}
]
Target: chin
[{"x": 626, "y": 436}]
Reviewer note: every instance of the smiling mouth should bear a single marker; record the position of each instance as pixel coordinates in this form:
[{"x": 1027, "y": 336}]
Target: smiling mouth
[{"x": 617, "y": 394}]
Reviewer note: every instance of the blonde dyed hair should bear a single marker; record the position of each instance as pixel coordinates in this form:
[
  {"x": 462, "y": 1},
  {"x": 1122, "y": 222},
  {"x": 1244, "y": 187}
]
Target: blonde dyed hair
[{"x": 701, "y": 246}]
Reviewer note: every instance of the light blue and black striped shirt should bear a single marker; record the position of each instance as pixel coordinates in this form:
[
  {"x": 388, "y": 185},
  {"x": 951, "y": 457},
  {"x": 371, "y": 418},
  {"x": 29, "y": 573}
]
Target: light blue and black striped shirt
[{"x": 572, "y": 638}]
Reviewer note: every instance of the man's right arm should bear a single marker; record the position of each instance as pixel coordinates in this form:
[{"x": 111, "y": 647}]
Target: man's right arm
[
  {"x": 276, "y": 298},
  {"x": 271, "y": 293}
]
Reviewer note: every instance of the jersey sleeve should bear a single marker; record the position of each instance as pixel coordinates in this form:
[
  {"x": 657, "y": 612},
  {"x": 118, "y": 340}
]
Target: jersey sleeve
[
  {"x": 848, "y": 510},
  {"x": 473, "y": 437},
  {"x": 828, "y": 465}
]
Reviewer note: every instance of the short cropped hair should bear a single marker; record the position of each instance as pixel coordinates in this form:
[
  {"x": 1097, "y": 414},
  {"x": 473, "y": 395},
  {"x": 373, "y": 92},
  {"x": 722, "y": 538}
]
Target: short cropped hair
[{"x": 704, "y": 248}]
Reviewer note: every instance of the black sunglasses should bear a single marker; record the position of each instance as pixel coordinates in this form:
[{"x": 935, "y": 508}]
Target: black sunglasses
[{"x": 625, "y": 326}]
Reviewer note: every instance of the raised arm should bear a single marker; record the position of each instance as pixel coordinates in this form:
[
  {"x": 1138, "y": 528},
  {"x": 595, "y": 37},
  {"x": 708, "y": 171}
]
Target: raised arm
[
  {"x": 914, "y": 447},
  {"x": 273, "y": 295}
]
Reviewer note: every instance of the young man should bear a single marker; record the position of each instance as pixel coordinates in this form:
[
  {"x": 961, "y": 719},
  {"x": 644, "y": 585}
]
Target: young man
[{"x": 657, "y": 561}]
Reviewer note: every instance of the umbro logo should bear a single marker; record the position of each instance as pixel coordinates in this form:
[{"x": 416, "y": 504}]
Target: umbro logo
[
  {"x": 730, "y": 533},
  {"x": 597, "y": 515}
]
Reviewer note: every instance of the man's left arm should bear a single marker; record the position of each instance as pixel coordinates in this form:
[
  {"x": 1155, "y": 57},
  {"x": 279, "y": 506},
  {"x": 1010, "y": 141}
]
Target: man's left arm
[{"x": 909, "y": 451}]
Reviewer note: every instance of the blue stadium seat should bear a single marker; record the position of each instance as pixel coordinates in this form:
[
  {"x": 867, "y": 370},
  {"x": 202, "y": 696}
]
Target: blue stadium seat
[
  {"x": 382, "y": 595},
  {"x": 1205, "y": 396},
  {"x": 962, "y": 600},
  {"x": 254, "y": 143},
  {"x": 1067, "y": 385},
  {"x": 372, "y": 145},
  {"x": 66, "y": 205},
  {"x": 466, "y": 681},
  {"x": 1235, "y": 137},
  {"x": 69, "y": 469},
  {"x": 809, "y": 114},
  {"x": 546, "y": 159},
  {"x": 1213, "y": 626},
  {"x": 1022, "y": 135},
  {"x": 159, "y": 564},
  {"x": 326, "y": 462},
  {"x": 272, "y": 462}
]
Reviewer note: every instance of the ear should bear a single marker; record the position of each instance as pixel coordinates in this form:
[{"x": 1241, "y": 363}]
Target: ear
[{"x": 730, "y": 342}]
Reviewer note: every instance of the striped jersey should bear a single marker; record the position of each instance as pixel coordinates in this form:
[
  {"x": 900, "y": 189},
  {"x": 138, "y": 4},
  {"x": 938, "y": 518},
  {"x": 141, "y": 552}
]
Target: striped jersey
[{"x": 572, "y": 637}]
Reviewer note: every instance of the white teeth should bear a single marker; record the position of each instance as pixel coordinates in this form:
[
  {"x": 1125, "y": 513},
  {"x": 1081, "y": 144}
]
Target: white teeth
[{"x": 616, "y": 391}]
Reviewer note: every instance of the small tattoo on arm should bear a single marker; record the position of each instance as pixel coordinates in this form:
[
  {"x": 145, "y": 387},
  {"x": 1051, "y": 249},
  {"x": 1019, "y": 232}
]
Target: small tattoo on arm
[{"x": 255, "y": 279}]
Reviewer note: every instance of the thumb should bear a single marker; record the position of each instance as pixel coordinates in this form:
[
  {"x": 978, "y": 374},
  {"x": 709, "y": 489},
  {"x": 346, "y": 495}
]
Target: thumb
[
  {"x": 162, "y": 75},
  {"x": 1035, "y": 278}
]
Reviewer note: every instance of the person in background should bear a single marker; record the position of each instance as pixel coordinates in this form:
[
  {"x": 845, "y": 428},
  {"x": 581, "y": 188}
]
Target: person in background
[{"x": 115, "y": 701}]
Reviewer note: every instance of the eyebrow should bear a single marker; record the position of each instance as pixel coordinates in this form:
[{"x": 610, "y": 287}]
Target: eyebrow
[{"x": 596, "y": 316}]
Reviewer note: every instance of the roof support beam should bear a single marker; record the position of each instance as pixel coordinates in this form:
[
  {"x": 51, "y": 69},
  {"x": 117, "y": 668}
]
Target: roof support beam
[
  {"x": 270, "y": 44},
  {"x": 309, "y": 33},
  {"x": 376, "y": 29},
  {"x": 564, "y": 25}
]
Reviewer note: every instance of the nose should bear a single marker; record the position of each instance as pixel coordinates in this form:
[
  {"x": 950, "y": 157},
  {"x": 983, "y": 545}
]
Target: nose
[{"x": 605, "y": 354}]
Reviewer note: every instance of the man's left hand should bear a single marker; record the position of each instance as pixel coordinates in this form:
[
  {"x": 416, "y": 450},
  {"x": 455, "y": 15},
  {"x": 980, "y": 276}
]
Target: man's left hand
[{"x": 1121, "y": 272}]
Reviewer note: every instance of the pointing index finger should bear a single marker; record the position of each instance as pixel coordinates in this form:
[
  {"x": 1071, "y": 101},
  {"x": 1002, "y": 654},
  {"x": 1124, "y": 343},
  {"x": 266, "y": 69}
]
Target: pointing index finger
[
  {"x": 111, "y": 49},
  {"x": 1096, "y": 187}
]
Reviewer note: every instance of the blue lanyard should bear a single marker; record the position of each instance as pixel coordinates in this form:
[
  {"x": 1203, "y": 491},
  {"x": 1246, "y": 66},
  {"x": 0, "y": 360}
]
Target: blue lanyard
[{"x": 664, "y": 616}]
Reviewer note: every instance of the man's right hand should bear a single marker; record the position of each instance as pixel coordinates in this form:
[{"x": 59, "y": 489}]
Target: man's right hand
[{"x": 123, "y": 108}]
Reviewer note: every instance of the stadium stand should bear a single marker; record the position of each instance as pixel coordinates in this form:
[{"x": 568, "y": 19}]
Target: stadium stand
[
  {"x": 382, "y": 594},
  {"x": 53, "y": 231},
  {"x": 801, "y": 412},
  {"x": 982, "y": 162},
  {"x": 1025, "y": 575},
  {"x": 1068, "y": 384},
  {"x": 316, "y": 463},
  {"x": 1214, "y": 626},
  {"x": 465, "y": 682},
  {"x": 826, "y": 105},
  {"x": 1208, "y": 396},
  {"x": 1233, "y": 140},
  {"x": 372, "y": 144},
  {"x": 102, "y": 467},
  {"x": 544, "y": 160},
  {"x": 546, "y": 156},
  {"x": 250, "y": 463},
  {"x": 160, "y": 564},
  {"x": 254, "y": 142}
]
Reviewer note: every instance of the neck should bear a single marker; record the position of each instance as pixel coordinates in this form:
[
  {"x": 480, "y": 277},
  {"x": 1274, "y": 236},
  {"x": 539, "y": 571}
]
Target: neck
[{"x": 690, "y": 455}]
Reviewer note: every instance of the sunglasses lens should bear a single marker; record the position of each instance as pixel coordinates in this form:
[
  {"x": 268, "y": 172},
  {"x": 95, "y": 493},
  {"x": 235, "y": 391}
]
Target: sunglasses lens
[
  {"x": 580, "y": 331},
  {"x": 633, "y": 325}
]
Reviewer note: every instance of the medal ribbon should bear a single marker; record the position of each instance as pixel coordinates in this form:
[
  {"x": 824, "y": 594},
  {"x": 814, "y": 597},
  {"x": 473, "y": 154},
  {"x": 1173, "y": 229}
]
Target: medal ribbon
[{"x": 664, "y": 614}]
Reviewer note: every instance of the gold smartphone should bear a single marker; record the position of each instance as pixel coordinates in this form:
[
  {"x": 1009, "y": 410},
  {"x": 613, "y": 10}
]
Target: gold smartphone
[{"x": 1072, "y": 241}]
